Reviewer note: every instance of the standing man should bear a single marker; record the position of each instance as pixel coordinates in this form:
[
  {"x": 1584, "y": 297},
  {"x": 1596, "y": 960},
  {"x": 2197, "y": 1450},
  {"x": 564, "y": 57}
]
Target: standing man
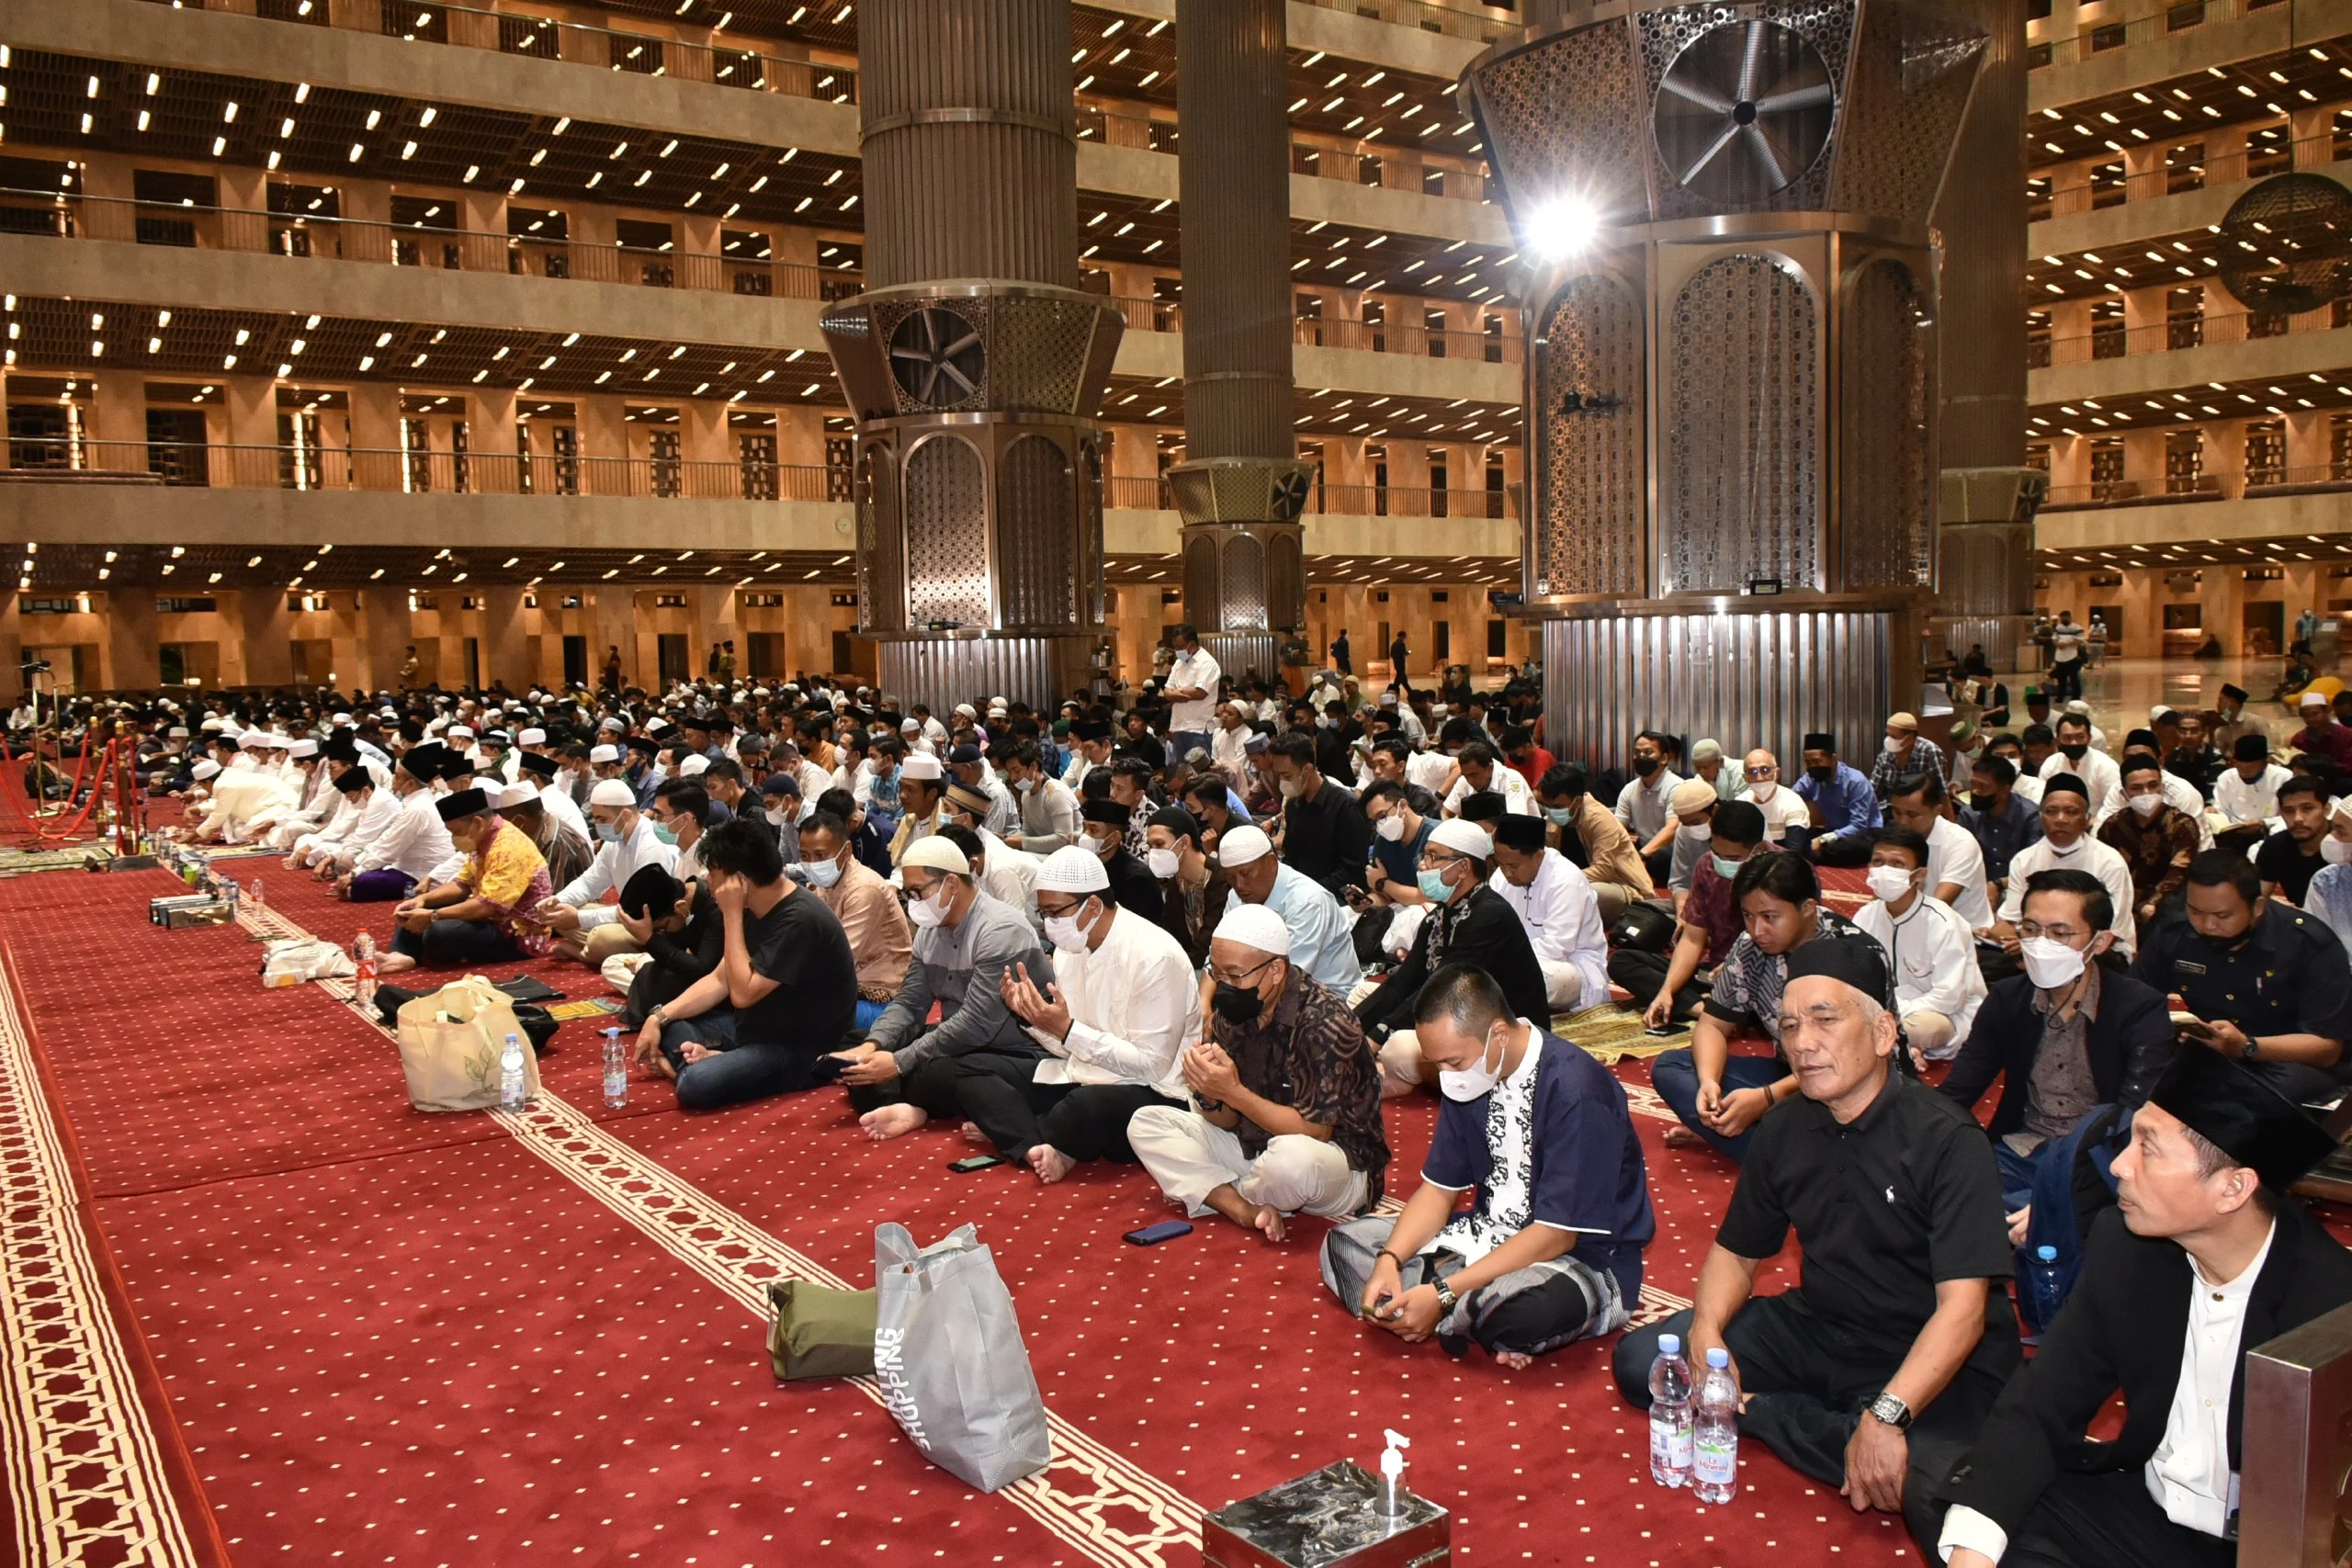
[
  {"x": 1398, "y": 680},
  {"x": 2066, "y": 656},
  {"x": 1192, "y": 691},
  {"x": 1342, "y": 660}
]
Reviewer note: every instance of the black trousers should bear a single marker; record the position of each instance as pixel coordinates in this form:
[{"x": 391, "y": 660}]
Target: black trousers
[
  {"x": 1810, "y": 1381},
  {"x": 2109, "y": 1521},
  {"x": 1001, "y": 1096},
  {"x": 1642, "y": 972},
  {"x": 1845, "y": 849},
  {"x": 931, "y": 1088}
]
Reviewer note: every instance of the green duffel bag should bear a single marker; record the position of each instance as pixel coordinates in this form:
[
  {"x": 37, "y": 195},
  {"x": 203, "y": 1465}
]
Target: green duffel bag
[{"x": 820, "y": 1333}]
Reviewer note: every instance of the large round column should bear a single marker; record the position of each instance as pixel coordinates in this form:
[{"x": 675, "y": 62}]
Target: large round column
[
  {"x": 1241, "y": 486},
  {"x": 973, "y": 364}
]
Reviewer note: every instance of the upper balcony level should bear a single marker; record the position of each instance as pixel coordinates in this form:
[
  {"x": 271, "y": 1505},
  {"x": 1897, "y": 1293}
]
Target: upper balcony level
[{"x": 2084, "y": 52}]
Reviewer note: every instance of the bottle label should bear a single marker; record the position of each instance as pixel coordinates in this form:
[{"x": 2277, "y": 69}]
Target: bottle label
[
  {"x": 1669, "y": 1444},
  {"x": 1716, "y": 1460}
]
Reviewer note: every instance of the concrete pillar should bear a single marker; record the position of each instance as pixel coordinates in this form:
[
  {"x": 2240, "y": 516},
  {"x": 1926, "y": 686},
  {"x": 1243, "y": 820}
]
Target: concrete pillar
[
  {"x": 249, "y": 423},
  {"x": 130, "y": 655},
  {"x": 12, "y": 650},
  {"x": 616, "y": 628},
  {"x": 384, "y": 632},
  {"x": 507, "y": 655},
  {"x": 492, "y": 468},
  {"x": 376, "y": 436},
  {"x": 714, "y": 623},
  {"x": 709, "y": 449},
  {"x": 267, "y": 629},
  {"x": 604, "y": 447},
  {"x": 121, "y": 411}
]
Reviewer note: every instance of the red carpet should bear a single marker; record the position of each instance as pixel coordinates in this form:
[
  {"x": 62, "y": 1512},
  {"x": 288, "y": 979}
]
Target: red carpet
[{"x": 461, "y": 1339}]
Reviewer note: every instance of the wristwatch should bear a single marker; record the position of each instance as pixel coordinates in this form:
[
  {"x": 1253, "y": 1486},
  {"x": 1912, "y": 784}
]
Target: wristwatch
[
  {"x": 1891, "y": 1411},
  {"x": 2252, "y": 1050},
  {"x": 1445, "y": 1296}
]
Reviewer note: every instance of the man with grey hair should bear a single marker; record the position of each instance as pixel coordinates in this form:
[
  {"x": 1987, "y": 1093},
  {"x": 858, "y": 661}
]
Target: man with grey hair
[{"x": 1873, "y": 1374}]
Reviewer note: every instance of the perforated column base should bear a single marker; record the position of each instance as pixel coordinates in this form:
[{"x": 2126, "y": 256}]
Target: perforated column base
[
  {"x": 1237, "y": 653},
  {"x": 941, "y": 670}
]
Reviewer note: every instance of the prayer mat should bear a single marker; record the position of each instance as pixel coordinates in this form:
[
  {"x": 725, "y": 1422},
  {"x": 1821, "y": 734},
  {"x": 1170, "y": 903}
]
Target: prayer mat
[{"x": 1613, "y": 1033}]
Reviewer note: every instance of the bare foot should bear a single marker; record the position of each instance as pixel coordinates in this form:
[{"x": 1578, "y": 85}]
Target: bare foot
[
  {"x": 1049, "y": 1163},
  {"x": 893, "y": 1121},
  {"x": 1517, "y": 1361},
  {"x": 1680, "y": 1137},
  {"x": 1269, "y": 1221},
  {"x": 394, "y": 964},
  {"x": 662, "y": 1066},
  {"x": 972, "y": 1135}
]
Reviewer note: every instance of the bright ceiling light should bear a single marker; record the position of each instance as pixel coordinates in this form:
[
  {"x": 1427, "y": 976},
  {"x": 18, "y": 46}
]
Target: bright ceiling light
[{"x": 1562, "y": 226}]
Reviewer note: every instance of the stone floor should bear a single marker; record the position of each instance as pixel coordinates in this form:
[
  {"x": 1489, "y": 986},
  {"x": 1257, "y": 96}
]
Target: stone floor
[{"x": 2122, "y": 691}]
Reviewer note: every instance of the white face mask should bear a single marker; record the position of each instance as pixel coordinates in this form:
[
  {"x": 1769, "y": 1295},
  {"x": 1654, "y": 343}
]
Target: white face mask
[
  {"x": 1391, "y": 827},
  {"x": 823, "y": 873},
  {"x": 1292, "y": 788},
  {"x": 1889, "y": 881},
  {"x": 1762, "y": 790},
  {"x": 2049, "y": 963},
  {"x": 2147, "y": 805},
  {"x": 1161, "y": 861},
  {"x": 1066, "y": 933},
  {"x": 2335, "y": 850},
  {"x": 1699, "y": 832},
  {"x": 928, "y": 912},
  {"x": 1470, "y": 1083}
]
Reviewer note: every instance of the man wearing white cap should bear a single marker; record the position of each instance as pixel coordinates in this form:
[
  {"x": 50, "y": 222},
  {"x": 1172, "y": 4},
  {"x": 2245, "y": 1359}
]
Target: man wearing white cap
[
  {"x": 921, "y": 786},
  {"x": 1321, "y": 939},
  {"x": 1468, "y": 922},
  {"x": 625, "y": 840},
  {"x": 964, "y": 943},
  {"x": 1123, "y": 1003},
  {"x": 1285, "y": 1113}
]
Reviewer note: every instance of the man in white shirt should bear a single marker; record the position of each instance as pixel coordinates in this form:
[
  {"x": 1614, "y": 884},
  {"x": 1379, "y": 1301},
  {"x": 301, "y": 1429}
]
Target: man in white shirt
[
  {"x": 1481, "y": 767},
  {"x": 1930, "y": 949},
  {"x": 2245, "y": 796},
  {"x": 1192, "y": 691},
  {"x": 1955, "y": 860},
  {"x": 413, "y": 844},
  {"x": 2076, "y": 755},
  {"x": 1783, "y": 809},
  {"x": 1554, "y": 902},
  {"x": 1226, "y": 744},
  {"x": 627, "y": 841},
  {"x": 1123, "y": 1001},
  {"x": 1048, "y": 809},
  {"x": 2067, "y": 844},
  {"x": 2205, "y": 1258}
]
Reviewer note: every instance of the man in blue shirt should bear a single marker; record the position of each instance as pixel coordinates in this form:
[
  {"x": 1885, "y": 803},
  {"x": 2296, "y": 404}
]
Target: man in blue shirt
[
  {"x": 1395, "y": 870},
  {"x": 1321, "y": 942},
  {"x": 1550, "y": 1251},
  {"x": 1845, "y": 808}
]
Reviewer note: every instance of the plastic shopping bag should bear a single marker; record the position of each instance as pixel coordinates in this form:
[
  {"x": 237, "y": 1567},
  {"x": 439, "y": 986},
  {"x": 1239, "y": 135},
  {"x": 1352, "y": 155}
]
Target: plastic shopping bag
[{"x": 948, "y": 1355}]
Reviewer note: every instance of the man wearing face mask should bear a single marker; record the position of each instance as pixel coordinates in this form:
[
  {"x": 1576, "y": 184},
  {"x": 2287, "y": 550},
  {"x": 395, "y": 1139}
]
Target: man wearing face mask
[
  {"x": 1132, "y": 884},
  {"x": 1931, "y": 951},
  {"x": 1285, "y": 1113},
  {"x": 2065, "y": 1037},
  {"x": 1192, "y": 887},
  {"x": 780, "y": 809},
  {"x": 1904, "y": 752},
  {"x": 1706, "y": 926},
  {"x": 588, "y": 927},
  {"x": 2067, "y": 844},
  {"x": 2000, "y": 819},
  {"x": 1843, "y": 807},
  {"x": 2268, "y": 983},
  {"x": 2329, "y": 897},
  {"x": 1693, "y": 803},
  {"x": 1325, "y": 835},
  {"x": 866, "y": 908},
  {"x": 1007, "y": 875},
  {"x": 1321, "y": 942},
  {"x": 1589, "y": 834},
  {"x": 1048, "y": 809},
  {"x": 1787, "y": 818},
  {"x": 907, "y": 1072},
  {"x": 2077, "y": 756},
  {"x": 1399, "y": 834},
  {"x": 1555, "y": 905},
  {"x": 2155, "y": 839},
  {"x": 1642, "y": 805},
  {"x": 1550, "y": 1249},
  {"x": 1468, "y": 922},
  {"x": 1123, "y": 1001}
]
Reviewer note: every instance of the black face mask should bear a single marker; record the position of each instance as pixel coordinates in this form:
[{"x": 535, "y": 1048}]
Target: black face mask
[
  {"x": 1984, "y": 802},
  {"x": 1822, "y": 774},
  {"x": 1240, "y": 1004},
  {"x": 1645, "y": 766},
  {"x": 2073, "y": 753}
]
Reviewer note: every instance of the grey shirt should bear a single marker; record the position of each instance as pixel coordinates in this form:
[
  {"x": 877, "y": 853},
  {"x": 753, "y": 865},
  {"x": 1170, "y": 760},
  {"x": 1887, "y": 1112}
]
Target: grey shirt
[
  {"x": 959, "y": 967},
  {"x": 2061, "y": 1090}
]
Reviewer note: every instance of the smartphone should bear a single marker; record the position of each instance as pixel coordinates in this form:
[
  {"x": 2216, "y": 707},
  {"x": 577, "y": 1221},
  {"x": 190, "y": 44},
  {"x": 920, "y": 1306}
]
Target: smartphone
[
  {"x": 1166, "y": 1229},
  {"x": 1659, "y": 1033},
  {"x": 974, "y": 1162},
  {"x": 829, "y": 1069}
]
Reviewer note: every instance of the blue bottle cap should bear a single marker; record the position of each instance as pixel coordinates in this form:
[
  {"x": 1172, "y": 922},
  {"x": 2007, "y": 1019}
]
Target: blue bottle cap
[
  {"x": 1718, "y": 1356},
  {"x": 2047, "y": 1254},
  {"x": 1669, "y": 1343}
]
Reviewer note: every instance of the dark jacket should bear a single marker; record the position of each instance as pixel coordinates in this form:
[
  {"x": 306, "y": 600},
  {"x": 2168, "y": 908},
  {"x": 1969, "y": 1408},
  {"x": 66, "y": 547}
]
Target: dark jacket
[
  {"x": 2131, "y": 1041},
  {"x": 1328, "y": 838},
  {"x": 1486, "y": 931},
  {"x": 1134, "y": 886},
  {"x": 2123, "y": 1328}
]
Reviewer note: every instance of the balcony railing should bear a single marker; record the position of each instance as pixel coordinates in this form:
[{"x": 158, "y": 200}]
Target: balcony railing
[
  {"x": 709, "y": 58},
  {"x": 1112, "y": 128},
  {"x": 2256, "y": 484},
  {"x": 2117, "y": 341},
  {"x": 74, "y": 216},
  {"x": 2083, "y": 193},
  {"x": 1331, "y": 500},
  {"x": 219, "y": 466},
  {"x": 1483, "y": 23},
  {"x": 2100, "y": 38},
  {"x": 1395, "y": 337}
]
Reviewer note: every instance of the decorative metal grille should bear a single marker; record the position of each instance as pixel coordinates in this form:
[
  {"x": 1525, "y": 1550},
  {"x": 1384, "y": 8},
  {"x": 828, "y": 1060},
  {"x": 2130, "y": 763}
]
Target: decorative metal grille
[
  {"x": 1742, "y": 486},
  {"x": 1245, "y": 584},
  {"x": 1827, "y": 26},
  {"x": 1591, "y": 511},
  {"x": 1285, "y": 580},
  {"x": 1035, "y": 519},
  {"x": 881, "y": 586},
  {"x": 947, "y": 533},
  {"x": 1040, "y": 346},
  {"x": 1886, "y": 442},
  {"x": 1570, "y": 103},
  {"x": 1202, "y": 600},
  {"x": 1908, "y": 89}
]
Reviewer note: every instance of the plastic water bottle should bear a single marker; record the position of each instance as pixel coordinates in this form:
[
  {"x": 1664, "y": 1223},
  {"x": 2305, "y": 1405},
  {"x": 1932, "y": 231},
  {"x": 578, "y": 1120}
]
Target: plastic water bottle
[
  {"x": 510, "y": 1075},
  {"x": 1669, "y": 1414},
  {"x": 254, "y": 894},
  {"x": 363, "y": 972},
  {"x": 1714, "y": 1438},
  {"x": 615, "y": 1070},
  {"x": 2045, "y": 1290}
]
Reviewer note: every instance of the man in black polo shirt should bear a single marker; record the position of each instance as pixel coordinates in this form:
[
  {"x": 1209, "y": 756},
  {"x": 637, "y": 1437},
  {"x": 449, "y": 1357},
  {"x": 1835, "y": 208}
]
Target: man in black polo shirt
[
  {"x": 1325, "y": 836},
  {"x": 2270, "y": 983},
  {"x": 2288, "y": 860},
  {"x": 1876, "y": 1372}
]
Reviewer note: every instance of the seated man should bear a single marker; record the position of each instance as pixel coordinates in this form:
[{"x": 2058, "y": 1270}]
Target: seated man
[
  {"x": 1557, "y": 908},
  {"x": 1004, "y": 873},
  {"x": 2245, "y": 794},
  {"x": 2206, "y": 1258},
  {"x": 865, "y": 907},
  {"x": 1875, "y": 1372},
  {"x": 1844, "y": 807},
  {"x": 482, "y": 915},
  {"x": 1285, "y": 1113},
  {"x": 1929, "y": 948},
  {"x": 2065, "y": 1037},
  {"x": 1706, "y": 925},
  {"x": 1590, "y": 834},
  {"x": 1550, "y": 1250},
  {"x": 1122, "y": 1002},
  {"x": 784, "y": 992},
  {"x": 2065, "y": 844},
  {"x": 1718, "y": 1096},
  {"x": 1194, "y": 891},
  {"x": 2001, "y": 820},
  {"x": 2288, "y": 860},
  {"x": 410, "y": 845},
  {"x": 964, "y": 943},
  {"x": 1104, "y": 832},
  {"x": 1468, "y": 922},
  {"x": 677, "y": 925},
  {"x": 1319, "y": 938},
  {"x": 360, "y": 806},
  {"x": 1956, "y": 873},
  {"x": 2269, "y": 984},
  {"x": 588, "y": 927},
  {"x": 2156, "y": 837}
]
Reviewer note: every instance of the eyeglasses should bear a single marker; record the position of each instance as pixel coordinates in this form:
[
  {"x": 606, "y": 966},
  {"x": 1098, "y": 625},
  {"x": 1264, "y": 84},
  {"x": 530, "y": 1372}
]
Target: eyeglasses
[
  {"x": 1242, "y": 978},
  {"x": 1760, "y": 772}
]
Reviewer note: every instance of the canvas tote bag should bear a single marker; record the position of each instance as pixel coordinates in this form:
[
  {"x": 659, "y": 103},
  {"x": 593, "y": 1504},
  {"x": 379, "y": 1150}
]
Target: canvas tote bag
[
  {"x": 453, "y": 1065},
  {"x": 948, "y": 1355}
]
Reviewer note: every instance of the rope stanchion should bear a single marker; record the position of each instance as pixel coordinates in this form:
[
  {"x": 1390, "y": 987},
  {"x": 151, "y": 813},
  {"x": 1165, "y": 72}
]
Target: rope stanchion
[{"x": 52, "y": 830}]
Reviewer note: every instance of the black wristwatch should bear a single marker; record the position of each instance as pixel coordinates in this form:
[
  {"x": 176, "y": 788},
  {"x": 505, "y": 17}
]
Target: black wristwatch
[
  {"x": 1447, "y": 1298},
  {"x": 1891, "y": 1411}
]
